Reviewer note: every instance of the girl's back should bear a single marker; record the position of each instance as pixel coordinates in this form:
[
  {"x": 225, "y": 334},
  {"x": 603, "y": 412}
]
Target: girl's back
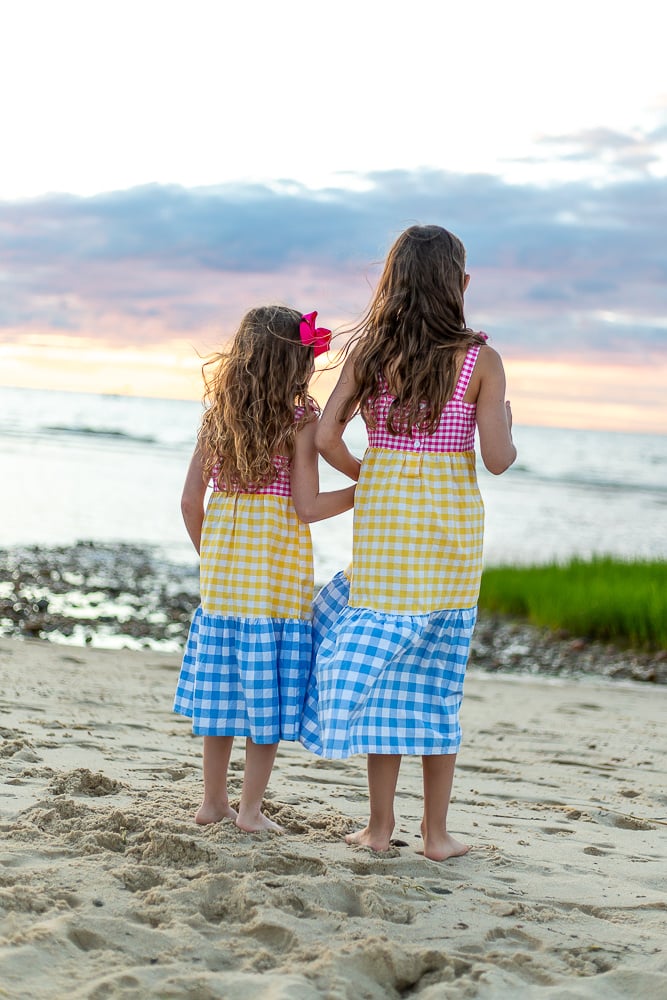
[
  {"x": 256, "y": 554},
  {"x": 248, "y": 654},
  {"x": 419, "y": 516},
  {"x": 389, "y": 673}
]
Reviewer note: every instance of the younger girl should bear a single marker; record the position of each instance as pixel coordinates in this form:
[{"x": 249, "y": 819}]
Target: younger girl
[
  {"x": 388, "y": 677},
  {"x": 247, "y": 657}
]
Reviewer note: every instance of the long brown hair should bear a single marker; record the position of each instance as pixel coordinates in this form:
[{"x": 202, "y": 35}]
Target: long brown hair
[
  {"x": 251, "y": 396},
  {"x": 413, "y": 331}
]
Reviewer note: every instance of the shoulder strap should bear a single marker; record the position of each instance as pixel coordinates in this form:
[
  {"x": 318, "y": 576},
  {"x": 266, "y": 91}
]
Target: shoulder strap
[{"x": 466, "y": 372}]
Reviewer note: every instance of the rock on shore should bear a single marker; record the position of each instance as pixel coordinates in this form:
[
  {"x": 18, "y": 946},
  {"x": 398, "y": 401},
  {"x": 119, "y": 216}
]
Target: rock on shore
[{"x": 125, "y": 595}]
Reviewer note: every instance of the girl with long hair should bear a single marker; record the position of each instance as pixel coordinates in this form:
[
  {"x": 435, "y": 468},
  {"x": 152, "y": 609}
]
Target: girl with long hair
[
  {"x": 388, "y": 676},
  {"x": 247, "y": 657}
]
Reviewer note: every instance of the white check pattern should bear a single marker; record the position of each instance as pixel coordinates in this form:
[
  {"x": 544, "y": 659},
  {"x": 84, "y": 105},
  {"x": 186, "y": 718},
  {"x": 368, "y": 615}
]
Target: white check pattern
[
  {"x": 455, "y": 432},
  {"x": 419, "y": 515},
  {"x": 245, "y": 676},
  {"x": 418, "y": 532},
  {"x": 256, "y": 557},
  {"x": 388, "y": 684},
  {"x": 248, "y": 654},
  {"x": 281, "y": 485},
  {"x": 327, "y": 608},
  {"x": 390, "y": 651}
]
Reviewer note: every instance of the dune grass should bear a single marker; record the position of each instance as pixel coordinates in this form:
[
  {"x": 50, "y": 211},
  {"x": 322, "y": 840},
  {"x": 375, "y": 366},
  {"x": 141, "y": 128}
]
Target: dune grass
[{"x": 605, "y": 598}]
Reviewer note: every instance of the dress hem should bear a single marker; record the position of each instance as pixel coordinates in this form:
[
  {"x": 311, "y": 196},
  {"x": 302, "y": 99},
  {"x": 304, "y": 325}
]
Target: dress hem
[
  {"x": 237, "y": 732},
  {"x": 402, "y": 751}
]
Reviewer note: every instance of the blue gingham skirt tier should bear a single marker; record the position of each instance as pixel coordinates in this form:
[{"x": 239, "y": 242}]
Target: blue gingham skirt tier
[
  {"x": 245, "y": 676},
  {"x": 382, "y": 683}
]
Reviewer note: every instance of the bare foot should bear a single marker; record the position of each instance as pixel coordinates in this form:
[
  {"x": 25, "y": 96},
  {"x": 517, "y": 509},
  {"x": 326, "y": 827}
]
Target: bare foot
[
  {"x": 256, "y": 823},
  {"x": 212, "y": 812},
  {"x": 366, "y": 838},
  {"x": 443, "y": 846}
]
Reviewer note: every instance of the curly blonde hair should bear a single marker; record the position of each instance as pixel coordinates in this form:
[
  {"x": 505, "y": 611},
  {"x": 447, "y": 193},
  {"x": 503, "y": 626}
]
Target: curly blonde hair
[
  {"x": 413, "y": 331},
  {"x": 250, "y": 399}
]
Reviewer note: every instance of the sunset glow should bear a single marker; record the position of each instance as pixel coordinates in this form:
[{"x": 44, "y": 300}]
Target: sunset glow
[
  {"x": 143, "y": 212},
  {"x": 555, "y": 394}
]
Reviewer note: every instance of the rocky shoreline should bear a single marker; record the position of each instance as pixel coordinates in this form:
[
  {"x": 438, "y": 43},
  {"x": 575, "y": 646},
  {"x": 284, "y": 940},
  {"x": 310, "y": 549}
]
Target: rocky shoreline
[
  {"x": 120, "y": 595},
  {"x": 505, "y": 646},
  {"x": 97, "y": 594}
]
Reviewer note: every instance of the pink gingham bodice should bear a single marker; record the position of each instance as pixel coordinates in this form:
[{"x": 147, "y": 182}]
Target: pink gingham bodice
[
  {"x": 281, "y": 485},
  {"x": 455, "y": 432}
]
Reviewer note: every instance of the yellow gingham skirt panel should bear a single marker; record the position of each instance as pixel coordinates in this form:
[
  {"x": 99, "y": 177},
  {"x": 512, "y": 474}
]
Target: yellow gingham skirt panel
[
  {"x": 418, "y": 532},
  {"x": 256, "y": 558}
]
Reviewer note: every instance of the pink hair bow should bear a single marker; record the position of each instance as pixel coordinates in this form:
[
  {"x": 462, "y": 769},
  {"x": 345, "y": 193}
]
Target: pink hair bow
[{"x": 318, "y": 336}]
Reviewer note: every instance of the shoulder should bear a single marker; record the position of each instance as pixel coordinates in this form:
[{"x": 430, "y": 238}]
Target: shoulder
[
  {"x": 488, "y": 373},
  {"x": 349, "y": 369},
  {"x": 347, "y": 380},
  {"x": 488, "y": 359},
  {"x": 304, "y": 438}
]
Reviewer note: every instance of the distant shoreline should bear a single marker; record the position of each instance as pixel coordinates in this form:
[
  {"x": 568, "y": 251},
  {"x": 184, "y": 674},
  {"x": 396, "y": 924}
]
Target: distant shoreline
[{"x": 129, "y": 596}]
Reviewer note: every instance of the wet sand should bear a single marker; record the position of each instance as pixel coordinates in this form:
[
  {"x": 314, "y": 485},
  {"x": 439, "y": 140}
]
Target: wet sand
[{"x": 109, "y": 890}]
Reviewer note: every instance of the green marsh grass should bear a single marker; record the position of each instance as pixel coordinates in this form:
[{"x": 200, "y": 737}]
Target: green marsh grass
[{"x": 604, "y": 598}]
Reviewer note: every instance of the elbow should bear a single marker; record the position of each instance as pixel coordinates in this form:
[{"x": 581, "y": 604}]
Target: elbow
[
  {"x": 324, "y": 440},
  {"x": 304, "y": 505},
  {"x": 189, "y": 506},
  {"x": 497, "y": 464},
  {"x": 305, "y": 513}
]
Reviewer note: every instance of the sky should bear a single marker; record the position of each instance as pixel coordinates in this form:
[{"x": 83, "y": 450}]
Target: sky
[{"x": 166, "y": 166}]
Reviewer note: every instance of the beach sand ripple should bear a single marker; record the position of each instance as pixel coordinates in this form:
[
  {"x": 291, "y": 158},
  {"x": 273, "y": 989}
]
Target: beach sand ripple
[{"x": 108, "y": 889}]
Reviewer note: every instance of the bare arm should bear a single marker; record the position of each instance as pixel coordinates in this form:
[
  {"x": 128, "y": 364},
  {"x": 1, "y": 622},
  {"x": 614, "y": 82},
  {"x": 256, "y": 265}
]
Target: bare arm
[
  {"x": 494, "y": 415},
  {"x": 192, "y": 499},
  {"x": 329, "y": 436},
  {"x": 309, "y": 503}
]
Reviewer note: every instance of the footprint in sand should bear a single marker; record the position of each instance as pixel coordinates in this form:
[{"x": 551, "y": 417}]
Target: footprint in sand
[
  {"x": 114, "y": 986},
  {"x": 371, "y": 900},
  {"x": 138, "y": 878},
  {"x": 19, "y": 750},
  {"x": 84, "y": 782},
  {"x": 21, "y": 898},
  {"x": 272, "y": 936},
  {"x": 86, "y": 940},
  {"x": 624, "y": 822},
  {"x": 171, "y": 849},
  {"x": 398, "y": 972},
  {"x": 222, "y": 899},
  {"x": 512, "y": 936},
  {"x": 57, "y": 817},
  {"x": 287, "y": 864}
]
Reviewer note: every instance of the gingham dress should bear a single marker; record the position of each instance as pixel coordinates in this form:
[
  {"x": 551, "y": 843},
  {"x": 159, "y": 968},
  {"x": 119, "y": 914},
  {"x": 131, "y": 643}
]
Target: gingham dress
[
  {"x": 248, "y": 653},
  {"x": 392, "y": 644}
]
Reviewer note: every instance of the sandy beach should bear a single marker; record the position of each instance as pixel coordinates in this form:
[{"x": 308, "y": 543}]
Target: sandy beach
[{"x": 108, "y": 888}]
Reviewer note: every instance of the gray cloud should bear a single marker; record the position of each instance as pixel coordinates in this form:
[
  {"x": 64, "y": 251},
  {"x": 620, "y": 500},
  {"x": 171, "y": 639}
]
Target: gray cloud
[
  {"x": 546, "y": 259},
  {"x": 626, "y": 154}
]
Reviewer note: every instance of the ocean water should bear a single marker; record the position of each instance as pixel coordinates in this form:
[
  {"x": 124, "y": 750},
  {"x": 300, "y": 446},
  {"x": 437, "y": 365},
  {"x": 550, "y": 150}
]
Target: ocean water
[{"x": 83, "y": 467}]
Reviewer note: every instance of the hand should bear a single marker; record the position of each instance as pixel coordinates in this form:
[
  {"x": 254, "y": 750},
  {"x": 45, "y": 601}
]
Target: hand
[{"x": 508, "y": 411}]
